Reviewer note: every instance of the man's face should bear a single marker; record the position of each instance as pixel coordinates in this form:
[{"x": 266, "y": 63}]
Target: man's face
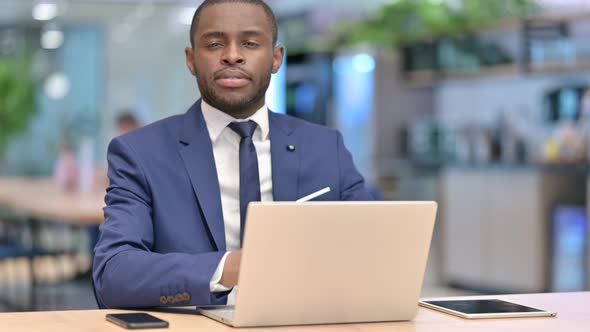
[{"x": 233, "y": 57}]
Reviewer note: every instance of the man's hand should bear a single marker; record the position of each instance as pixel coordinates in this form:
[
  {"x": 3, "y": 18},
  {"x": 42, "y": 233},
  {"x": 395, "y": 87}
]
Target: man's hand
[{"x": 231, "y": 269}]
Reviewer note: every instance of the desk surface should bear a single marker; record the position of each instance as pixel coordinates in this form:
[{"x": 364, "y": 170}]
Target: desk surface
[
  {"x": 573, "y": 314},
  {"x": 41, "y": 198}
]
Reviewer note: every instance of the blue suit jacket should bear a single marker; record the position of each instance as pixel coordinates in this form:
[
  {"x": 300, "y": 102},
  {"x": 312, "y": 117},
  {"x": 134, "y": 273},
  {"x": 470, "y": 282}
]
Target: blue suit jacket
[{"x": 163, "y": 234}]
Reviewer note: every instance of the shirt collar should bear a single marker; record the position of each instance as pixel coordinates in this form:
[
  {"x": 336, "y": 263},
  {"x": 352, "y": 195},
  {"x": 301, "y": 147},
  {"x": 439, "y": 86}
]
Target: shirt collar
[{"x": 217, "y": 120}]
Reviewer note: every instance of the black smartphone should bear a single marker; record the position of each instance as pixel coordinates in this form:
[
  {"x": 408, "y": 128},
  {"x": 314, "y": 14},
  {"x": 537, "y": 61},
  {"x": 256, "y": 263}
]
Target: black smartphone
[{"x": 139, "y": 320}]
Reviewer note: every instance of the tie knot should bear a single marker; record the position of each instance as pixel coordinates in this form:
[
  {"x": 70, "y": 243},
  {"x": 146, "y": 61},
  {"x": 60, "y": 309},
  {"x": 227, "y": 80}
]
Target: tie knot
[{"x": 244, "y": 129}]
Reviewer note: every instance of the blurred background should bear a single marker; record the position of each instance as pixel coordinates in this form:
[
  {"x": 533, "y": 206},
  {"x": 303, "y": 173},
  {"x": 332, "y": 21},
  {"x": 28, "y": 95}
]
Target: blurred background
[{"x": 483, "y": 106}]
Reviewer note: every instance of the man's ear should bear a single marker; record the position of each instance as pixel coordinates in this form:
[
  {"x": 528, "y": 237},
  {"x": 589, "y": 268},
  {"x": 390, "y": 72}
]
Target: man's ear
[
  {"x": 277, "y": 61},
  {"x": 190, "y": 60}
]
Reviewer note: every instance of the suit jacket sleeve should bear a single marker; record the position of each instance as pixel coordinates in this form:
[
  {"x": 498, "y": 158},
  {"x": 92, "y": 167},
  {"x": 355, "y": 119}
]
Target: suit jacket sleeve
[
  {"x": 352, "y": 184},
  {"x": 126, "y": 272}
]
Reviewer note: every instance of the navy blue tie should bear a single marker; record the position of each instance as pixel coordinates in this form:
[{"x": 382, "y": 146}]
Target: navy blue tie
[{"x": 249, "y": 177}]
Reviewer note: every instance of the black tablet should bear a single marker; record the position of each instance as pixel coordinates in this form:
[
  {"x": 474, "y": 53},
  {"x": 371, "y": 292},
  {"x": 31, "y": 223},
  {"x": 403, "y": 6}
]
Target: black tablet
[{"x": 489, "y": 308}]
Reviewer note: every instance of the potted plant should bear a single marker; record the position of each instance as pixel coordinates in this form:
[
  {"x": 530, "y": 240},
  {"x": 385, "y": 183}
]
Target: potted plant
[
  {"x": 17, "y": 99},
  {"x": 403, "y": 22}
]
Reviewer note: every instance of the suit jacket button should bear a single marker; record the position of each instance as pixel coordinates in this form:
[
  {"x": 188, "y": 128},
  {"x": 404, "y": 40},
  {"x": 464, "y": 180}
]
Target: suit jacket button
[
  {"x": 163, "y": 299},
  {"x": 170, "y": 299},
  {"x": 186, "y": 297},
  {"x": 178, "y": 298}
]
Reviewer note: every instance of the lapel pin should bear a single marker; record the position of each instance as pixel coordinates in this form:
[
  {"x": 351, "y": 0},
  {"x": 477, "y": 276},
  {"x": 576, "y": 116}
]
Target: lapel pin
[{"x": 291, "y": 148}]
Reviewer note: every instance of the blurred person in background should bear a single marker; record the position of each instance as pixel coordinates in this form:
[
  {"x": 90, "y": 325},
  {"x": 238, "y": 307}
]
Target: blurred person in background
[
  {"x": 126, "y": 121},
  {"x": 179, "y": 188},
  {"x": 65, "y": 171}
]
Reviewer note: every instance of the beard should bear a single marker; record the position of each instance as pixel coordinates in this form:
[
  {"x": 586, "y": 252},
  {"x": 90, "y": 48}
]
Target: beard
[{"x": 234, "y": 106}]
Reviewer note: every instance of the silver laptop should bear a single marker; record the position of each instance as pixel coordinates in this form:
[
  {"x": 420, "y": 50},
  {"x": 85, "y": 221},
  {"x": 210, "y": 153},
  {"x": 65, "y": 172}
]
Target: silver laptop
[{"x": 330, "y": 262}]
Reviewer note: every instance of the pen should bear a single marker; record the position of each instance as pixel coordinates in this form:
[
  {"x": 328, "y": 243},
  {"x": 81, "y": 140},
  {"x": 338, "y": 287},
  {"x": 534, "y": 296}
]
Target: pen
[{"x": 314, "y": 195}]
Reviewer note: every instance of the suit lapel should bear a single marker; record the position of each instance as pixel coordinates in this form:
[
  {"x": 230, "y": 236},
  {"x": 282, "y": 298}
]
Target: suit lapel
[
  {"x": 197, "y": 153},
  {"x": 285, "y": 163}
]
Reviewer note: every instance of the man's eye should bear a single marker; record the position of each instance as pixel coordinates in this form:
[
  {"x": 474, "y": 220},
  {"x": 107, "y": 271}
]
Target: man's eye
[
  {"x": 214, "y": 45},
  {"x": 251, "y": 44}
]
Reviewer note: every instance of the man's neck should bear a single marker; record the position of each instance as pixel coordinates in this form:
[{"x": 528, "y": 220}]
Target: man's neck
[
  {"x": 240, "y": 113},
  {"x": 243, "y": 115}
]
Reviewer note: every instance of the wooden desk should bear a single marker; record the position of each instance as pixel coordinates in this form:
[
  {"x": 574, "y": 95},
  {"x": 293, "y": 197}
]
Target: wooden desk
[
  {"x": 573, "y": 315},
  {"x": 42, "y": 199}
]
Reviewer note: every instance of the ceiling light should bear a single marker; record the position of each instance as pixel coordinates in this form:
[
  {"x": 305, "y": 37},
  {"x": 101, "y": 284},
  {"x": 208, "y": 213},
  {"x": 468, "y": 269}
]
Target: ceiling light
[
  {"x": 57, "y": 86},
  {"x": 363, "y": 63},
  {"x": 44, "y": 11},
  {"x": 52, "y": 39}
]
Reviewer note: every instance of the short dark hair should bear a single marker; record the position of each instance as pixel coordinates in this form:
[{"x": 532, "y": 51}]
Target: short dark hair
[
  {"x": 269, "y": 13},
  {"x": 126, "y": 117}
]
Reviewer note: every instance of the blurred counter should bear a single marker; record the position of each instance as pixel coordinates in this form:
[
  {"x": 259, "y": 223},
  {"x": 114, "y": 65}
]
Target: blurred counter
[
  {"x": 40, "y": 198},
  {"x": 581, "y": 169},
  {"x": 497, "y": 223},
  {"x": 502, "y": 227}
]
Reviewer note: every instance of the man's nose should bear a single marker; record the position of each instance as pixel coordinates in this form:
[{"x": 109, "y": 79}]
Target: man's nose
[{"x": 232, "y": 55}]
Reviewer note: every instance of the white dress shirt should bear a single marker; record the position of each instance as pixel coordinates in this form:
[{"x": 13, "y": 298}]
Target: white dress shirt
[{"x": 226, "y": 151}]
